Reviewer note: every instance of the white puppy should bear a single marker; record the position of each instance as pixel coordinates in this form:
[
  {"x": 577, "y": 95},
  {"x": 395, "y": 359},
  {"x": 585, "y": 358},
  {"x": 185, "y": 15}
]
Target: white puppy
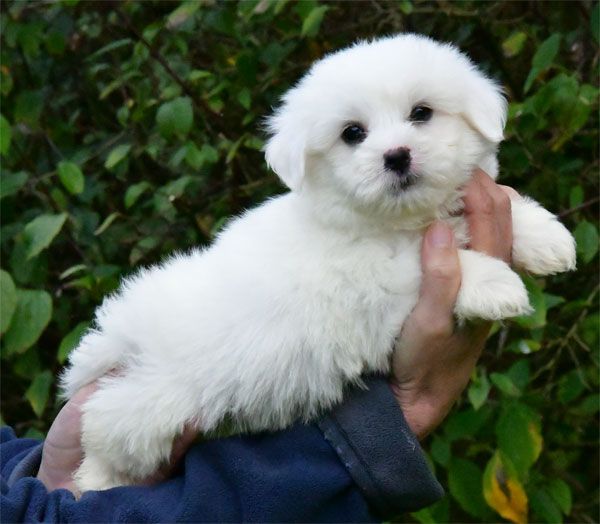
[{"x": 305, "y": 293}]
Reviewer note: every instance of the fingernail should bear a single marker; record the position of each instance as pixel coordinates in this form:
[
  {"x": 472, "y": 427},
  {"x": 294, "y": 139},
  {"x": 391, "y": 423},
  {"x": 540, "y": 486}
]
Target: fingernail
[{"x": 440, "y": 235}]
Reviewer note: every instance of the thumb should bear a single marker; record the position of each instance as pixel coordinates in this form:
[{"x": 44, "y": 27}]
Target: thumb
[{"x": 441, "y": 278}]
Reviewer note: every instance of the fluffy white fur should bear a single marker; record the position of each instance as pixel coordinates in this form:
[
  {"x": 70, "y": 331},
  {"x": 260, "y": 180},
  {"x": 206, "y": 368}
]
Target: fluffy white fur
[{"x": 303, "y": 294}]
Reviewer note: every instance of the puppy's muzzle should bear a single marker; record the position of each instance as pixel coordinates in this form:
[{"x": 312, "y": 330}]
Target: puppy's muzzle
[{"x": 397, "y": 160}]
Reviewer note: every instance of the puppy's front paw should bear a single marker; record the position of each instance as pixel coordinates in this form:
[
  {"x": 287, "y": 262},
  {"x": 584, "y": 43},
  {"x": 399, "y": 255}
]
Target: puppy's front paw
[
  {"x": 547, "y": 251},
  {"x": 489, "y": 290},
  {"x": 541, "y": 244}
]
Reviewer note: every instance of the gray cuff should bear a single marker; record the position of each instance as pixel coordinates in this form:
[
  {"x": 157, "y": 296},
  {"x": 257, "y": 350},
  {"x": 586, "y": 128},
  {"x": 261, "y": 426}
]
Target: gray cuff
[
  {"x": 28, "y": 466},
  {"x": 373, "y": 440}
]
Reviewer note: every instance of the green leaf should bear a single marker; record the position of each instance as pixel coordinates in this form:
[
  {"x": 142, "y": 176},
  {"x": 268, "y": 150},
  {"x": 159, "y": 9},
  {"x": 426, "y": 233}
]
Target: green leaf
[
  {"x": 193, "y": 156},
  {"x": 519, "y": 373},
  {"x": 543, "y": 58},
  {"x": 553, "y": 300},
  {"x": 70, "y": 341},
  {"x": 438, "y": 512},
  {"x": 570, "y": 386},
  {"x": 245, "y": 98},
  {"x": 10, "y": 183},
  {"x": 27, "y": 365},
  {"x": 40, "y": 232},
  {"x": 440, "y": 450},
  {"x": 210, "y": 154},
  {"x": 466, "y": 423},
  {"x": 560, "y": 492},
  {"x": 545, "y": 507},
  {"x": 117, "y": 155},
  {"x": 312, "y": 23},
  {"x": 465, "y": 481},
  {"x": 589, "y": 405},
  {"x": 546, "y": 52},
  {"x": 55, "y": 43},
  {"x": 117, "y": 44},
  {"x": 28, "y": 108},
  {"x": 8, "y": 300},
  {"x": 175, "y": 117},
  {"x": 39, "y": 392},
  {"x": 505, "y": 384},
  {"x": 71, "y": 177},
  {"x": 134, "y": 192},
  {"x": 72, "y": 270},
  {"x": 406, "y": 7},
  {"x": 34, "y": 433},
  {"x": 31, "y": 316},
  {"x": 5, "y": 135},
  {"x": 576, "y": 196},
  {"x": 519, "y": 436},
  {"x": 479, "y": 390},
  {"x": 536, "y": 298},
  {"x": 586, "y": 236}
]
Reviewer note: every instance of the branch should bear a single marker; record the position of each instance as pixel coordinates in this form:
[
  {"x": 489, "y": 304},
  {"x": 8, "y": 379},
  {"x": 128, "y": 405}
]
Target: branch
[
  {"x": 200, "y": 103},
  {"x": 581, "y": 206}
]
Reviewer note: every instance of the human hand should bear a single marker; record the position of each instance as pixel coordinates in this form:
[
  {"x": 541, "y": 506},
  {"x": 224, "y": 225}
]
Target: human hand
[
  {"x": 62, "y": 452},
  {"x": 433, "y": 361}
]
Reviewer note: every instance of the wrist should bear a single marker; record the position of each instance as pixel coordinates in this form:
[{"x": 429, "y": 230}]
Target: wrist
[{"x": 423, "y": 408}]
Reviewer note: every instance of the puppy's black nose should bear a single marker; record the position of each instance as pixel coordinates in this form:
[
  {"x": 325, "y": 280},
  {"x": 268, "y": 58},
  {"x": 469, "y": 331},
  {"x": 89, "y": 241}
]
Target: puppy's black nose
[{"x": 397, "y": 160}]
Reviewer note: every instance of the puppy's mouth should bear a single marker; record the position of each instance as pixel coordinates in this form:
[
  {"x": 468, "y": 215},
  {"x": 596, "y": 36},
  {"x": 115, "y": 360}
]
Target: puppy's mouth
[{"x": 400, "y": 182}]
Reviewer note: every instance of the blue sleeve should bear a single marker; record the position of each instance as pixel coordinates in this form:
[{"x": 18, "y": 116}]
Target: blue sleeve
[{"x": 358, "y": 464}]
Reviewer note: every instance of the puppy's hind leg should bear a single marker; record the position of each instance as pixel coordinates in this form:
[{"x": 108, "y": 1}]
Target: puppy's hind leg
[{"x": 128, "y": 428}]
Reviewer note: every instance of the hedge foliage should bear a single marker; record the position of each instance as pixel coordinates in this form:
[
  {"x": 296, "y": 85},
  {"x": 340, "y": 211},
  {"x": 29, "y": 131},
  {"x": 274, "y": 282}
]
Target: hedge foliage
[{"x": 131, "y": 129}]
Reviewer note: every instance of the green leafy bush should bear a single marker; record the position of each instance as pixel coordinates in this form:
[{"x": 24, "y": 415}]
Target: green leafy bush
[{"x": 131, "y": 129}]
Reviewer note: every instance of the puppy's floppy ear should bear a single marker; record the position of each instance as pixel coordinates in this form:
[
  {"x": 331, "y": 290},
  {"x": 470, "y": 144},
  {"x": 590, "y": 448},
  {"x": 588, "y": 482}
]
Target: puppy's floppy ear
[
  {"x": 285, "y": 151},
  {"x": 485, "y": 108}
]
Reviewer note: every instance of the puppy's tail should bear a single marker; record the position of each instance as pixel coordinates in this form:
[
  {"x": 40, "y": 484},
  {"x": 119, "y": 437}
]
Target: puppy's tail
[{"x": 95, "y": 356}]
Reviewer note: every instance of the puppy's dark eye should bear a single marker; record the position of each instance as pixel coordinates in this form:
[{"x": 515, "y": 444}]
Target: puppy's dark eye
[
  {"x": 354, "y": 134},
  {"x": 420, "y": 114}
]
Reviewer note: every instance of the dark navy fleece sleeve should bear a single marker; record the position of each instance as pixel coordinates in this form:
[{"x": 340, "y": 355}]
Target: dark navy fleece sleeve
[{"x": 351, "y": 467}]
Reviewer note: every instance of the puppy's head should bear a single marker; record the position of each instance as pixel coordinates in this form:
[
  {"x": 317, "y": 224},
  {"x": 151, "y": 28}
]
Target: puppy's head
[{"x": 393, "y": 125}]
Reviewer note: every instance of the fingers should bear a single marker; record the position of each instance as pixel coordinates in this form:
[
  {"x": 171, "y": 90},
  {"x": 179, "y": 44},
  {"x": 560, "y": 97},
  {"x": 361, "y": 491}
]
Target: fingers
[
  {"x": 180, "y": 446},
  {"x": 62, "y": 453},
  {"x": 512, "y": 193},
  {"x": 488, "y": 213},
  {"x": 440, "y": 282}
]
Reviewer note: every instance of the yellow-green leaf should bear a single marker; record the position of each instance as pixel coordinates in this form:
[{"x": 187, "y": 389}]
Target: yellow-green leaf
[
  {"x": 107, "y": 222},
  {"x": 134, "y": 192},
  {"x": 71, "y": 177},
  {"x": 513, "y": 45},
  {"x": 502, "y": 490},
  {"x": 116, "y": 156},
  {"x": 312, "y": 23}
]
